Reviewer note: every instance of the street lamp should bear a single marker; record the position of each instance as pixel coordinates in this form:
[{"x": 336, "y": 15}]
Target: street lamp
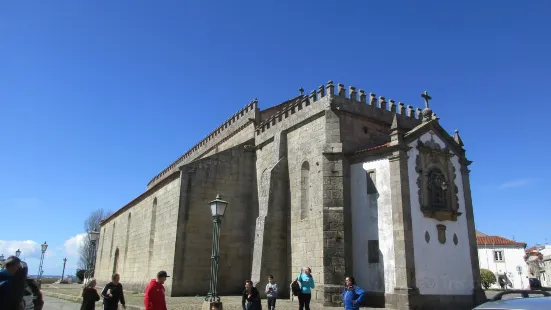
[
  {"x": 217, "y": 209},
  {"x": 93, "y": 237},
  {"x": 43, "y": 249},
  {"x": 63, "y": 272},
  {"x": 18, "y": 252}
]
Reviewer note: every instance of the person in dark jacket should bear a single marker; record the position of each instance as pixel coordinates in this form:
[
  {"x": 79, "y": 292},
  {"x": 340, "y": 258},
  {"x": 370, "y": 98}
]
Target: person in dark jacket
[
  {"x": 251, "y": 298},
  {"x": 353, "y": 295},
  {"x": 154, "y": 298},
  {"x": 112, "y": 293},
  {"x": 89, "y": 296},
  {"x": 20, "y": 283},
  {"x": 8, "y": 299}
]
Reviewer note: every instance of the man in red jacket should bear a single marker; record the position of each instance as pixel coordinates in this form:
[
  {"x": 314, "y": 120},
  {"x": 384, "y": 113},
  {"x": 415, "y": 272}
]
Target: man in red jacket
[{"x": 154, "y": 298}]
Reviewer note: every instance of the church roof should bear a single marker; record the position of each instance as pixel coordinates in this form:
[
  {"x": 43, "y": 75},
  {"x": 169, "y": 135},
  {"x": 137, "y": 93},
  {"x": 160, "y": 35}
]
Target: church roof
[
  {"x": 497, "y": 240},
  {"x": 372, "y": 148}
]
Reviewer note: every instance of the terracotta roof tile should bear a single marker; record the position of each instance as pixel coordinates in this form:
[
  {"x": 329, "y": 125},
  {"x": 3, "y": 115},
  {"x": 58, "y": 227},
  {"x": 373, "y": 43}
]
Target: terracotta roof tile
[
  {"x": 497, "y": 240},
  {"x": 373, "y": 148}
]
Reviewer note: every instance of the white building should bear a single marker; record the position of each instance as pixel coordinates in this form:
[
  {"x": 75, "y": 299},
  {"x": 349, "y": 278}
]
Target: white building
[
  {"x": 538, "y": 259},
  {"x": 505, "y": 258}
]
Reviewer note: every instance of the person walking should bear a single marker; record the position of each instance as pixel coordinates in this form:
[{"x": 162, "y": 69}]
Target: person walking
[
  {"x": 89, "y": 296},
  {"x": 353, "y": 295},
  {"x": 113, "y": 293},
  {"x": 250, "y": 299},
  {"x": 271, "y": 292},
  {"x": 154, "y": 298},
  {"x": 8, "y": 299},
  {"x": 306, "y": 281}
]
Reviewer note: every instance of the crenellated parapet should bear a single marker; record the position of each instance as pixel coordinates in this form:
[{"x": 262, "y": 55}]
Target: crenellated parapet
[
  {"x": 233, "y": 124},
  {"x": 353, "y": 100}
]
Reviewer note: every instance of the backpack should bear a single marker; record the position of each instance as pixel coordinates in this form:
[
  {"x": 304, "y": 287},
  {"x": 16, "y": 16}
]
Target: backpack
[{"x": 295, "y": 288}]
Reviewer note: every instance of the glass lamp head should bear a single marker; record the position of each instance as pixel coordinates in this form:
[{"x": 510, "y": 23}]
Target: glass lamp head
[{"x": 218, "y": 207}]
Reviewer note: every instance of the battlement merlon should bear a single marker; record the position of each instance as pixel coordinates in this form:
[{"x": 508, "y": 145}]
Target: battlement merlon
[
  {"x": 247, "y": 116},
  {"x": 319, "y": 100}
]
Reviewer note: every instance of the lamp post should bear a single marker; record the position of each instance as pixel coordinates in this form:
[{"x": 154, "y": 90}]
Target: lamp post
[
  {"x": 217, "y": 209},
  {"x": 43, "y": 249},
  {"x": 18, "y": 252},
  {"x": 63, "y": 272},
  {"x": 93, "y": 237}
]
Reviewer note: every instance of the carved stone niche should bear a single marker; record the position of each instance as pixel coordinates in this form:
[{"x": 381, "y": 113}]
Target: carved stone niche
[{"x": 436, "y": 181}]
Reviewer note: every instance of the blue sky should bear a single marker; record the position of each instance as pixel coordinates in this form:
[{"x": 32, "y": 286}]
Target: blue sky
[{"x": 96, "y": 97}]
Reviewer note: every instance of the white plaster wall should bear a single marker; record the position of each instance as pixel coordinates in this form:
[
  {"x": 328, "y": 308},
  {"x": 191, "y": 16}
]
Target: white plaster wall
[
  {"x": 513, "y": 257},
  {"x": 372, "y": 220},
  {"x": 440, "y": 269}
]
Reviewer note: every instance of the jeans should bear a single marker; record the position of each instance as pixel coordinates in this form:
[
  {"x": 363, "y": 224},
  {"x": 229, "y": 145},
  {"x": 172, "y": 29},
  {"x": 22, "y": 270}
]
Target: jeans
[
  {"x": 271, "y": 303},
  {"x": 304, "y": 301}
]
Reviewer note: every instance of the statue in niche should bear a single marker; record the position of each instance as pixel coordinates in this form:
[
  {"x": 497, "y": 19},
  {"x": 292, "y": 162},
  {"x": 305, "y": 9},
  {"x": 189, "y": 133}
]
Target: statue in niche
[{"x": 436, "y": 181}]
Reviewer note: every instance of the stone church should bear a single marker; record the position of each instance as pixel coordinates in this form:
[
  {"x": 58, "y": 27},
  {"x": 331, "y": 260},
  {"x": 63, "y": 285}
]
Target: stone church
[{"x": 338, "y": 180}]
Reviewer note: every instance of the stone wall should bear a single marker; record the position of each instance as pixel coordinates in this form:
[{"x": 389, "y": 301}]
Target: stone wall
[
  {"x": 130, "y": 233},
  {"x": 305, "y": 145},
  {"x": 230, "y": 173},
  {"x": 243, "y": 135},
  {"x": 359, "y": 132}
]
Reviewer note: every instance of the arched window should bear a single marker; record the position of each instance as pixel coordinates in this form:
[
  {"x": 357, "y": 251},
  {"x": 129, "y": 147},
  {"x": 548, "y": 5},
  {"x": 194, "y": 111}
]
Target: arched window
[
  {"x": 437, "y": 187},
  {"x": 304, "y": 190},
  {"x": 127, "y": 237}
]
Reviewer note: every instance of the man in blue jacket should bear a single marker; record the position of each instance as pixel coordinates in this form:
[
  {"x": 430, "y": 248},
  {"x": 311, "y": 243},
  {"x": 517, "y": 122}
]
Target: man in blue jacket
[
  {"x": 8, "y": 296},
  {"x": 353, "y": 295}
]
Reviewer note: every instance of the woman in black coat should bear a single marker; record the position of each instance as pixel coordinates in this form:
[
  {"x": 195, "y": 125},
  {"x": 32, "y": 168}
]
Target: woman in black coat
[
  {"x": 89, "y": 296},
  {"x": 251, "y": 298},
  {"x": 112, "y": 293}
]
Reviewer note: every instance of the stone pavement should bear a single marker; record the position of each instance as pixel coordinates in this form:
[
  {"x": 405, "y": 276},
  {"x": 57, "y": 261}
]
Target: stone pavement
[{"x": 134, "y": 301}]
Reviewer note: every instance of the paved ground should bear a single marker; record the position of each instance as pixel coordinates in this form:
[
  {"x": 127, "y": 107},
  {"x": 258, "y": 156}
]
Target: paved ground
[
  {"x": 135, "y": 301},
  {"x": 51, "y": 303}
]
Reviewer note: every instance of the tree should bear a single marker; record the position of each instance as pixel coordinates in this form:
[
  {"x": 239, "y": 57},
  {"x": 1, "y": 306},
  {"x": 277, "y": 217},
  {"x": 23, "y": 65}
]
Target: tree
[
  {"x": 487, "y": 278},
  {"x": 86, "y": 252}
]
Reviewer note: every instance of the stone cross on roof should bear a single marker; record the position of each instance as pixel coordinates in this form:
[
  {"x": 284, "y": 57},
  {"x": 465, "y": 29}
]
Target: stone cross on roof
[
  {"x": 427, "y": 112},
  {"x": 426, "y": 96}
]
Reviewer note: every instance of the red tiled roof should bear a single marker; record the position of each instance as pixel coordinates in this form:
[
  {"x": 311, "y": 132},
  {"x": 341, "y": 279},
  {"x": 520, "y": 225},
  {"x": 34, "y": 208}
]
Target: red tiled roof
[
  {"x": 530, "y": 249},
  {"x": 497, "y": 240},
  {"x": 373, "y": 148}
]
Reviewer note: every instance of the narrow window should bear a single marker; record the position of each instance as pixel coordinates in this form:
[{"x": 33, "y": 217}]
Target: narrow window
[
  {"x": 498, "y": 256},
  {"x": 102, "y": 244},
  {"x": 116, "y": 261},
  {"x": 152, "y": 229},
  {"x": 112, "y": 241},
  {"x": 373, "y": 251},
  {"x": 437, "y": 189},
  {"x": 127, "y": 237},
  {"x": 304, "y": 190},
  {"x": 371, "y": 181}
]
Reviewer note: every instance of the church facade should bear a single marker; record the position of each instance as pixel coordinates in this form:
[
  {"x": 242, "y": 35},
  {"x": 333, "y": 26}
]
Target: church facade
[{"x": 340, "y": 181}]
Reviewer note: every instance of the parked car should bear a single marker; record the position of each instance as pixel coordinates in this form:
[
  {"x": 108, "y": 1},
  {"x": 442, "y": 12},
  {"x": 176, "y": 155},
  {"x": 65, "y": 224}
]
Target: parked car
[{"x": 518, "y": 300}]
